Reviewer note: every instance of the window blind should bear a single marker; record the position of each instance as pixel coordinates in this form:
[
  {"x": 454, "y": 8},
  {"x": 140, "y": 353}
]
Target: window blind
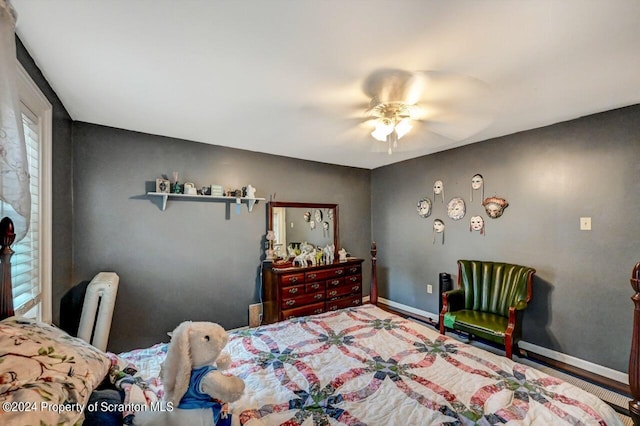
[{"x": 26, "y": 259}]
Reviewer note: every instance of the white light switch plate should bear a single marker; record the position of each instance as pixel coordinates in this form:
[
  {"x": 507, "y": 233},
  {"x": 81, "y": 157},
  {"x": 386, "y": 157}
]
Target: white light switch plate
[{"x": 585, "y": 224}]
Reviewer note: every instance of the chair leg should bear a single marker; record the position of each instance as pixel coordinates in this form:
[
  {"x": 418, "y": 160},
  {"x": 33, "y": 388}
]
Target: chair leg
[{"x": 508, "y": 346}]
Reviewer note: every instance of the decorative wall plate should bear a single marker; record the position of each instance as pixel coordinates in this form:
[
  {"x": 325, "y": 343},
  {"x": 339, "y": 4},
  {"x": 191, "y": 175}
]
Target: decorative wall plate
[
  {"x": 494, "y": 206},
  {"x": 477, "y": 184},
  {"x": 476, "y": 224},
  {"x": 456, "y": 208},
  {"x": 424, "y": 207},
  {"x": 438, "y": 228},
  {"x": 438, "y": 189}
]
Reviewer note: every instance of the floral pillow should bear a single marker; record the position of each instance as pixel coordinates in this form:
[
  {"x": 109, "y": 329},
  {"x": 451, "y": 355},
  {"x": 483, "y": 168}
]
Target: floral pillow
[{"x": 46, "y": 376}]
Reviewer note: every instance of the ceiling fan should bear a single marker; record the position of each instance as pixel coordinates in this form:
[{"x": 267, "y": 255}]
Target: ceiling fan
[{"x": 424, "y": 105}]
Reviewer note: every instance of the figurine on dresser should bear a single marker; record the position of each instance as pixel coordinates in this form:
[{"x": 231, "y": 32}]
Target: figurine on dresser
[{"x": 329, "y": 253}]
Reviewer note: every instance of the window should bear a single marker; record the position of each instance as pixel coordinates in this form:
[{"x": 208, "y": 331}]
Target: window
[{"x": 31, "y": 262}]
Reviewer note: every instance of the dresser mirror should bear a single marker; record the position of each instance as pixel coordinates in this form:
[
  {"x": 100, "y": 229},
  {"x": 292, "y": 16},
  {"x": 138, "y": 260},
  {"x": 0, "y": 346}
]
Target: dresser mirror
[{"x": 296, "y": 223}]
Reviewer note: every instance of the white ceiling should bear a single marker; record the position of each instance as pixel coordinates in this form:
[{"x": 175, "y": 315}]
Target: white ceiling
[{"x": 285, "y": 76}]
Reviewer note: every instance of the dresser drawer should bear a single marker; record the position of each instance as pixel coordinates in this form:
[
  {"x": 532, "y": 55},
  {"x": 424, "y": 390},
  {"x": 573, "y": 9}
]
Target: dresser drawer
[
  {"x": 313, "y": 287},
  {"x": 335, "y": 282},
  {"x": 345, "y": 302},
  {"x": 292, "y": 291},
  {"x": 287, "y": 279},
  {"x": 324, "y": 274},
  {"x": 343, "y": 290},
  {"x": 316, "y": 308},
  {"x": 352, "y": 270},
  {"x": 352, "y": 279},
  {"x": 304, "y": 299}
]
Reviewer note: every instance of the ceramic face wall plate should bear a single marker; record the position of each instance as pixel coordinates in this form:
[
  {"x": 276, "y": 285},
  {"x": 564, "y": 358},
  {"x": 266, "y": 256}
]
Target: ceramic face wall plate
[
  {"x": 456, "y": 208},
  {"x": 477, "y": 184},
  {"x": 438, "y": 229},
  {"x": 424, "y": 207},
  {"x": 476, "y": 224},
  {"x": 438, "y": 189},
  {"x": 494, "y": 206}
]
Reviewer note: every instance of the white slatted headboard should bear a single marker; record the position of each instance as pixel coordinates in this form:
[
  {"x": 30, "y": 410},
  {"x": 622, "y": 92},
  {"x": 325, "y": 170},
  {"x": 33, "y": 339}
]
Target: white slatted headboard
[{"x": 97, "y": 309}]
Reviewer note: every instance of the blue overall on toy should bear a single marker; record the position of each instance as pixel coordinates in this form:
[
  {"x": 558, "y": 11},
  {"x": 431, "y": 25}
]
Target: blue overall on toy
[{"x": 195, "y": 398}]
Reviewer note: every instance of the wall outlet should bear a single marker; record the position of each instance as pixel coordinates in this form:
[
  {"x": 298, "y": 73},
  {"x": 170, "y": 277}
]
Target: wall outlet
[
  {"x": 429, "y": 288},
  {"x": 255, "y": 314}
]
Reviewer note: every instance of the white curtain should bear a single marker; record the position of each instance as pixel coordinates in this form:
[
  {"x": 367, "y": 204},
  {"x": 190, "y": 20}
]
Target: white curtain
[{"x": 14, "y": 174}]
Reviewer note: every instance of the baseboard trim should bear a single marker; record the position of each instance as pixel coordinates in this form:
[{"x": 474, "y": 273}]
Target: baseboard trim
[
  {"x": 563, "y": 358},
  {"x": 560, "y": 357}
]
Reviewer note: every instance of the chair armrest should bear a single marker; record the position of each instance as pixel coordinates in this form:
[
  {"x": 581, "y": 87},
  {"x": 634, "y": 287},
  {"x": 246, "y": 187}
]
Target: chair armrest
[
  {"x": 521, "y": 305},
  {"x": 453, "y": 300}
]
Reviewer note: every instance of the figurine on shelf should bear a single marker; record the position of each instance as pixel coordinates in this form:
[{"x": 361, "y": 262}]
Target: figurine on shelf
[
  {"x": 251, "y": 192},
  {"x": 176, "y": 184}
]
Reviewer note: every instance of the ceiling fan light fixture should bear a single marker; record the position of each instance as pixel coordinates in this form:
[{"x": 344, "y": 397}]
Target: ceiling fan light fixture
[
  {"x": 384, "y": 127},
  {"x": 392, "y": 141},
  {"x": 392, "y": 123},
  {"x": 403, "y": 127}
]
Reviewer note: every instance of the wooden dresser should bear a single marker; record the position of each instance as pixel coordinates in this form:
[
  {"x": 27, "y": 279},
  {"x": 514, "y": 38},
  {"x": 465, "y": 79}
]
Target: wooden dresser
[{"x": 295, "y": 292}]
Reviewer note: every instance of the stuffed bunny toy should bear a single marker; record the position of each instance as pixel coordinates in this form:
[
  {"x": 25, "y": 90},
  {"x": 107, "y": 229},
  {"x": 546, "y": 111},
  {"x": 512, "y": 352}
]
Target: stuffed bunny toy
[{"x": 195, "y": 389}]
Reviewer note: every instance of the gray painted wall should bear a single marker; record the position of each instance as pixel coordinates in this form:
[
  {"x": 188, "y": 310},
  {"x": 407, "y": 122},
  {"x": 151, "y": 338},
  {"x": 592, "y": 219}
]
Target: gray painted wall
[
  {"x": 551, "y": 177},
  {"x": 62, "y": 278},
  {"x": 189, "y": 262}
]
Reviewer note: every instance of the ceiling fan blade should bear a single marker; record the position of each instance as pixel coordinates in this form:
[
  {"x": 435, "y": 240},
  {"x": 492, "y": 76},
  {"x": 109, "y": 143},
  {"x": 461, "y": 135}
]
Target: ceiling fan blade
[
  {"x": 421, "y": 137},
  {"x": 453, "y": 90},
  {"x": 457, "y": 126},
  {"x": 454, "y": 105},
  {"x": 393, "y": 85}
]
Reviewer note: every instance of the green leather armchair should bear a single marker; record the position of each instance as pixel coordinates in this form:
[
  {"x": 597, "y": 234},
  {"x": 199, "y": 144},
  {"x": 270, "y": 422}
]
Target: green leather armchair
[{"x": 489, "y": 301}]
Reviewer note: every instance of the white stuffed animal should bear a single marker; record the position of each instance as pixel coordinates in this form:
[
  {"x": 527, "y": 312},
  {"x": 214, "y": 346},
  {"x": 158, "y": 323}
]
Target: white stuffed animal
[{"x": 195, "y": 390}]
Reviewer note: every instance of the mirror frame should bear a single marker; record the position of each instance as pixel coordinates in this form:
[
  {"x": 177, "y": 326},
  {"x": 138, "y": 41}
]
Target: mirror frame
[{"x": 310, "y": 206}]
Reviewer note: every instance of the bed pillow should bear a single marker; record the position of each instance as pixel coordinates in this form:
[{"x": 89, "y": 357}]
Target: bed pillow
[{"x": 46, "y": 376}]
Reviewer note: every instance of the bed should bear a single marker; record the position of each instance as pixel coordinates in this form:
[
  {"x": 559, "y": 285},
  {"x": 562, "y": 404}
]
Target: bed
[{"x": 357, "y": 366}]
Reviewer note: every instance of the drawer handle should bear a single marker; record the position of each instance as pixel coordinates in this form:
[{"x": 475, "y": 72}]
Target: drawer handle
[
  {"x": 312, "y": 276},
  {"x": 356, "y": 302},
  {"x": 290, "y": 302},
  {"x": 293, "y": 290},
  {"x": 318, "y": 296},
  {"x": 353, "y": 279},
  {"x": 333, "y": 308},
  {"x": 293, "y": 279},
  {"x": 333, "y": 293},
  {"x": 355, "y": 288},
  {"x": 318, "y": 311},
  {"x": 335, "y": 282},
  {"x": 315, "y": 286},
  {"x": 352, "y": 270},
  {"x": 339, "y": 271}
]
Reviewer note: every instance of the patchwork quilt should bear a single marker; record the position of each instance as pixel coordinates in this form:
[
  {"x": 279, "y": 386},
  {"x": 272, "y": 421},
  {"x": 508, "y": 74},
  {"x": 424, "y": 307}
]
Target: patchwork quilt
[{"x": 365, "y": 366}]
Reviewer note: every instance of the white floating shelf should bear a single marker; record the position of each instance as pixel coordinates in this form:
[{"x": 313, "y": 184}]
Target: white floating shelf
[{"x": 250, "y": 202}]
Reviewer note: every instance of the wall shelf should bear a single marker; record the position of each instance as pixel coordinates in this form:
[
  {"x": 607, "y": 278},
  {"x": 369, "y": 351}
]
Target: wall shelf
[{"x": 250, "y": 202}]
